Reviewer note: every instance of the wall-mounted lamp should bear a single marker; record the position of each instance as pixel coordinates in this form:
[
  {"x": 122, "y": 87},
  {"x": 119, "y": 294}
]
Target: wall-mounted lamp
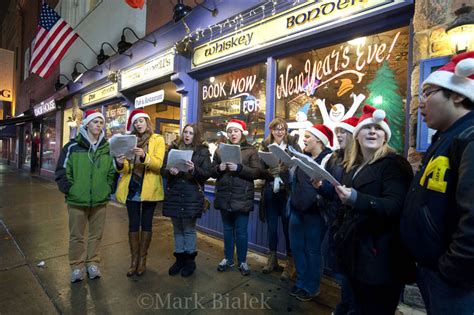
[
  {"x": 461, "y": 29},
  {"x": 181, "y": 10},
  {"x": 102, "y": 57},
  {"x": 214, "y": 11},
  {"x": 58, "y": 85},
  {"x": 76, "y": 75},
  {"x": 123, "y": 45}
]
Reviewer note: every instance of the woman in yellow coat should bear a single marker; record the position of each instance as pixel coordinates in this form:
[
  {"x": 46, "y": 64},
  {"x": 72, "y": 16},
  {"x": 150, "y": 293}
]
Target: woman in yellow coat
[{"x": 141, "y": 187}]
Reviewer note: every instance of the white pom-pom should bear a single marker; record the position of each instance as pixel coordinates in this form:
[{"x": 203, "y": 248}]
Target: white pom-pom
[
  {"x": 378, "y": 115},
  {"x": 465, "y": 67},
  {"x": 245, "y": 132}
]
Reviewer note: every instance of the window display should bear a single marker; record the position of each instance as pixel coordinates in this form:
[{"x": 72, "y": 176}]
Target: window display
[
  {"x": 48, "y": 148},
  {"x": 239, "y": 94},
  {"x": 116, "y": 120},
  {"x": 330, "y": 84},
  {"x": 27, "y": 146}
]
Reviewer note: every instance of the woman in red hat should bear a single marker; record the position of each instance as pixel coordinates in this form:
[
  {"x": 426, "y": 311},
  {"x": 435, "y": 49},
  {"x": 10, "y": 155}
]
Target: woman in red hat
[
  {"x": 368, "y": 241},
  {"x": 141, "y": 186},
  {"x": 235, "y": 195}
]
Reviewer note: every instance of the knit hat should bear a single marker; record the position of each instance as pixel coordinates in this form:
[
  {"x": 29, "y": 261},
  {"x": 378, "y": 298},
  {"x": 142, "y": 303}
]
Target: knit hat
[
  {"x": 457, "y": 75},
  {"x": 348, "y": 124},
  {"x": 323, "y": 133},
  {"x": 90, "y": 115},
  {"x": 375, "y": 116},
  {"x": 134, "y": 115},
  {"x": 239, "y": 124}
]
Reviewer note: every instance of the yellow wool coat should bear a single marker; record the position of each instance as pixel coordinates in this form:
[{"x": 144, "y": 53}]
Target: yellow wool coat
[{"x": 152, "y": 187}]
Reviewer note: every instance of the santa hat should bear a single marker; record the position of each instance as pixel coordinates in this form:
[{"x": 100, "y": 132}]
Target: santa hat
[
  {"x": 239, "y": 124},
  {"x": 90, "y": 115},
  {"x": 457, "y": 75},
  {"x": 371, "y": 116},
  {"x": 134, "y": 115},
  {"x": 348, "y": 124},
  {"x": 323, "y": 133}
]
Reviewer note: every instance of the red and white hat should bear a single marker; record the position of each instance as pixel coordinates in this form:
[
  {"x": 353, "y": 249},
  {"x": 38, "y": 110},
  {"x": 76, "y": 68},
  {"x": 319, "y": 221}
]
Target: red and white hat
[
  {"x": 348, "y": 124},
  {"x": 375, "y": 116},
  {"x": 239, "y": 124},
  {"x": 90, "y": 115},
  {"x": 323, "y": 133},
  {"x": 134, "y": 115},
  {"x": 457, "y": 75}
]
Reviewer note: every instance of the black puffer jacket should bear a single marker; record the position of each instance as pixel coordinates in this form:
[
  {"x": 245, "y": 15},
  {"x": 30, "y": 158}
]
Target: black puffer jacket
[
  {"x": 184, "y": 195},
  {"x": 235, "y": 190}
]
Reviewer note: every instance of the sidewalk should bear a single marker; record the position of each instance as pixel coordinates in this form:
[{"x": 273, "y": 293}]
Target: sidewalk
[{"x": 33, "y": 228}]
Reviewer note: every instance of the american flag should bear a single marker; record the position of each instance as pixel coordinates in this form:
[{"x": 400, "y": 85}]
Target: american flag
[{"x": 53, "y": 39}]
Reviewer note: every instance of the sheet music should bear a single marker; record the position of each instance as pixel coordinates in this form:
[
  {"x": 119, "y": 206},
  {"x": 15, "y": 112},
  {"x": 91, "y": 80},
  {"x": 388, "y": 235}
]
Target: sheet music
[
  {"x": 269, "y": 158},
  {"x": 122, "y": 144},
  {"x": 281, "y": 154},
  {"x": 178, "y": 158},
  {"x": 230, "y": 153}
]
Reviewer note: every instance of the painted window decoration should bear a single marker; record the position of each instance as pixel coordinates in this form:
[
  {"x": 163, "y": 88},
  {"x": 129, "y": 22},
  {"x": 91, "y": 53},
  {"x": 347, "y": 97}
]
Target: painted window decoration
[
  {"x": 330, "y": 84},
  {"x": 115, "y": 120},
  {"x": 239, "y": 94}
]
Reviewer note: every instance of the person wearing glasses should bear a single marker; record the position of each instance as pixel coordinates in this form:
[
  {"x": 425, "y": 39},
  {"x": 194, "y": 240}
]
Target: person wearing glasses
[
  {"x": 275, "y": 196},
  {"x": 438, "y": 220}
]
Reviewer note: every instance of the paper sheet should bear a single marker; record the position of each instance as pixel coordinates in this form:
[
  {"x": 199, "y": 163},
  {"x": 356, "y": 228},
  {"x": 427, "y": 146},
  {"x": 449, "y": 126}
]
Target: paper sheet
[
  {"x": 281, "y": 154},
  {"x": 178, "y": 158},
  {"x": 315, "y": 171},
  {"x": 269, "y": 158},
  {"x": 123, "y": 144},
  {"x": 230, "y": 153}
]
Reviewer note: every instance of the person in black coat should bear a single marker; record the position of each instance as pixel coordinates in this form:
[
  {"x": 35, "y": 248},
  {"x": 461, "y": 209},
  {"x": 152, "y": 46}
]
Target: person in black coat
[
  {"x": 306, "y": 220},
  {"x": 275, "y": 196},
  {"x": 235, "y": 195},
  {"x": 368, "y": 241},
  {"x": 184, "y": 198}
]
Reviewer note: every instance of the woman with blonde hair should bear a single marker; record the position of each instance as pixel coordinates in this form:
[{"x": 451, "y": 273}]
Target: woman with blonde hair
[
  {"x": 141, "y": 187},
  {"x": 275, "y": 196},
  {"x": 368, "y": 241}
]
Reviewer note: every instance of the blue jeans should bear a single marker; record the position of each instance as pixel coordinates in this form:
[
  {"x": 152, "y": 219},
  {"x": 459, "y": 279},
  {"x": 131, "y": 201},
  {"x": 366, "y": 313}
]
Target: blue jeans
[
  {"x": 275, "y": 205},
  {"x": 442, "y": 298},
  {"x": 306, "y": 232},
  {"x": 140, "y": 213},
  {"x": 347, "y": 304},
  {"x": 235, "y": 234},
  {"x": 184, "y": 230}
]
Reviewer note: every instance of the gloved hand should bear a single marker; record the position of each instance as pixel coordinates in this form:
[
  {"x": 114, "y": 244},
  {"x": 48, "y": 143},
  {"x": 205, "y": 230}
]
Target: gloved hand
[
  {"x": 275, "y": 171},
  {"x": 277, "y": 183}
]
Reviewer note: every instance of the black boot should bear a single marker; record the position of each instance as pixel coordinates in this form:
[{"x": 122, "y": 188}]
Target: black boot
[
  {"x": 189, "y": 265},
  {"x": 178, "y": 265}
]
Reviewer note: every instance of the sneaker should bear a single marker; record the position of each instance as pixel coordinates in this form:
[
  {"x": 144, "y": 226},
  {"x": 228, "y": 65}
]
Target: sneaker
[
  {"x": 77, "y": 275},
  {"x": 244, "y": 269},
  {"x": 225, "y": 264},
  {"x": 295, "y": 291},
  {"x": 305, "y": 296},
  {"x": 93, "y": 272}
]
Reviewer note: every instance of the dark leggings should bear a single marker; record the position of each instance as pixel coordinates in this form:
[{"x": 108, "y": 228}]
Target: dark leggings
[{"x": 147, "y": 210}]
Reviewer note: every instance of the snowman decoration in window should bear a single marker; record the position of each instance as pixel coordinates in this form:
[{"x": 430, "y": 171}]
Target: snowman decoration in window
[{"x": 336, "y": 114}]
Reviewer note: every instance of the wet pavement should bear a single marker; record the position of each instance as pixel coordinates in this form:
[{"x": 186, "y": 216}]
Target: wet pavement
[{"x": 33, "y": 229}]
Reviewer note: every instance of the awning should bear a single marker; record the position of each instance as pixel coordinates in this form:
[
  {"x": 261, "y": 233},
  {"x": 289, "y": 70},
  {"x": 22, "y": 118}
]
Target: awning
[{"x": 16, "y": 120}]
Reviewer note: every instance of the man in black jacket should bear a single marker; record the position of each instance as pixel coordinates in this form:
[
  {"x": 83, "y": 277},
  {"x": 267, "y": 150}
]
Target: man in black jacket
[{"x": 438, "y": 222}]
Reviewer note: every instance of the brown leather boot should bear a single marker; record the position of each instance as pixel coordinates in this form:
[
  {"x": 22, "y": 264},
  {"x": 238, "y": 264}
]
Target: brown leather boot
[
  {"x": 144, "y": 244},
  {"x": 272, "y": 263},
  {"x": 134, "y": 241},
  {"x": 290, "y": 271}
]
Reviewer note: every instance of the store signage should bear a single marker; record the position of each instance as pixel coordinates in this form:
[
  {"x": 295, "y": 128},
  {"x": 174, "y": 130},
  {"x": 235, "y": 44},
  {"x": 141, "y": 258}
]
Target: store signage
[
  {"x": 100, "y": 94},
  {"x": 237, "y": 86},
  {"x": 285, "y": 26},
  {"x": 6, "y": 75},
  {"x": 337, "y": 64},
  {"x": 148, "y": 70},
  {"x": 150, "y": 99},
  {"x": 44, "y": 107}
]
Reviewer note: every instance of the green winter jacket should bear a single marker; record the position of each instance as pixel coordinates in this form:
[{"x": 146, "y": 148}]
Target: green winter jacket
[{"x": 84, "y": 176}]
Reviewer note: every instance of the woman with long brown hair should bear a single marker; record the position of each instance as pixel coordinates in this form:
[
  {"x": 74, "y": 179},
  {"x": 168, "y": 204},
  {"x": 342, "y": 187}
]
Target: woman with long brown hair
[{"x": 141, "y": 186}]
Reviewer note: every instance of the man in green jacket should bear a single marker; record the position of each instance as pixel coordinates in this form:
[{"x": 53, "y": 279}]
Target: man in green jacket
[{"x": 85, "y": 174}]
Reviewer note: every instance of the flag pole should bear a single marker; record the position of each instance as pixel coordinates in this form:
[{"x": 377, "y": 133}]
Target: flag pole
[{"x": 87, "y": 44}]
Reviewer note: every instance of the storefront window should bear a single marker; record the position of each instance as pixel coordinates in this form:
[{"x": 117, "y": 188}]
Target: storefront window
[
  {"x": 239, "y": 94},
  {"x": 49, "y": 147},
  {"x": 27, "y": 146},
  {"x": 116, "y": 120},
  {"x": 330, "y": 84}
]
